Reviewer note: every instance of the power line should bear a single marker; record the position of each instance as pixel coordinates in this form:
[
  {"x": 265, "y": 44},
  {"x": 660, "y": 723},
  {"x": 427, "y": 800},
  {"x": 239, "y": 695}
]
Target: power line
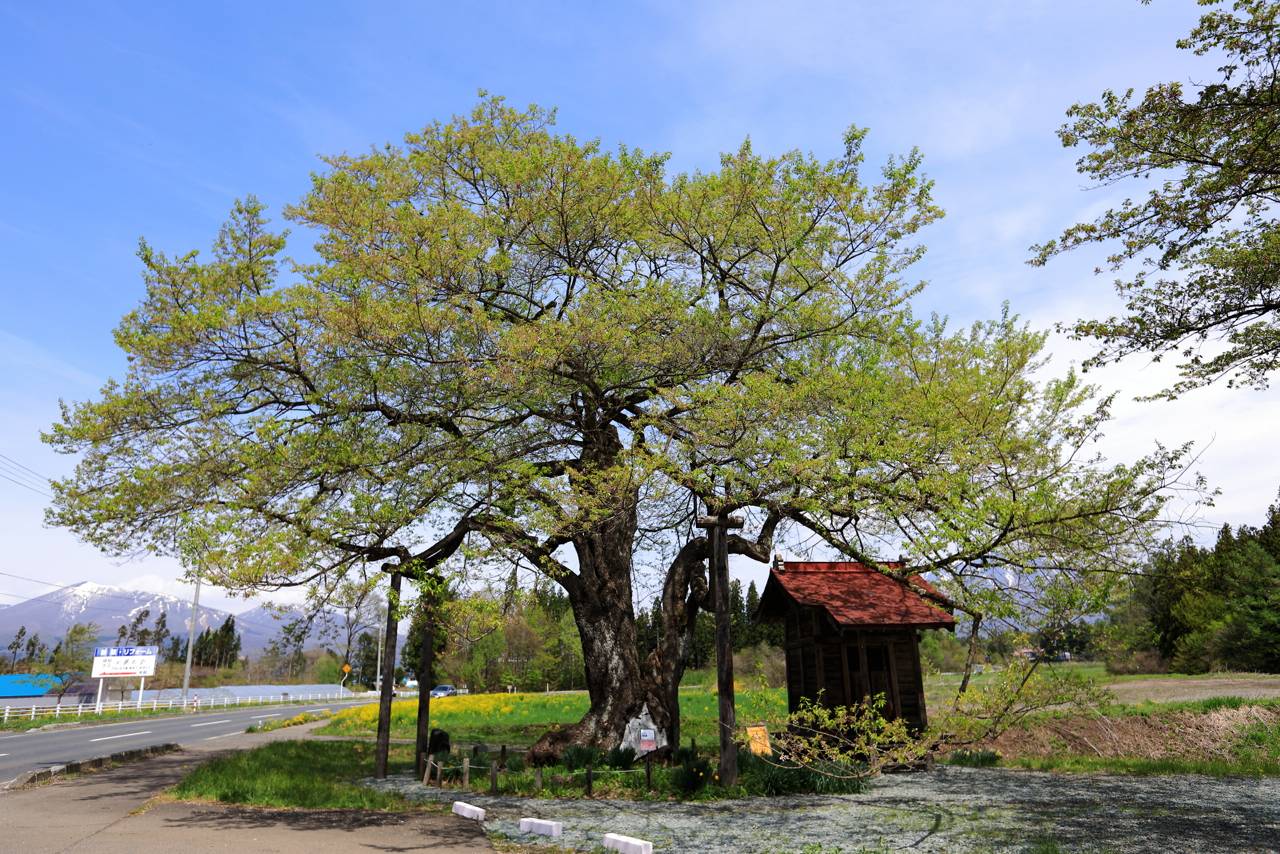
[
  {"x": 27, "y": 468},
  {"x": 25, "y": 485}
]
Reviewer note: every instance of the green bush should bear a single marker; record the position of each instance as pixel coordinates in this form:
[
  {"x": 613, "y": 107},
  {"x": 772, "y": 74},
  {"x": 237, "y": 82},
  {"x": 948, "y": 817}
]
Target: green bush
[
  {"x": 692, "y": 775},
  {"x": 771, "y": 777},
  {"x": 621, "y": 758},
  {"x": 578, "y": 756},
  {"x": 515, "y": 763}
]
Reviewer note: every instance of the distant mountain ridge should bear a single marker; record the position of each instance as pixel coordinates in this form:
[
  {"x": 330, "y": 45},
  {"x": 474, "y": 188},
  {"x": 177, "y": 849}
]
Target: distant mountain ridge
[{"x": 51, "y": 614}]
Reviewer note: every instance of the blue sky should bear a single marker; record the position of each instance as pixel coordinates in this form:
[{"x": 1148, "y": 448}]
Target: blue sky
[{"x": 122, "y": 121}]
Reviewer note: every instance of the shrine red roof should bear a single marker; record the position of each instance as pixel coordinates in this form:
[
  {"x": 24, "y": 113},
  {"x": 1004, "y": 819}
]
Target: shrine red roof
[{"x": 853, "y": 594}]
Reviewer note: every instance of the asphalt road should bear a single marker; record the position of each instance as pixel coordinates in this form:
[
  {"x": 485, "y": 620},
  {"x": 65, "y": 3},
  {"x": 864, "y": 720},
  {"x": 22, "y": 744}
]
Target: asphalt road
[{"x": 29, "y": 751}]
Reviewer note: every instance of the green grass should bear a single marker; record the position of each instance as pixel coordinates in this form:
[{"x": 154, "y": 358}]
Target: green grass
[
  {"x": 304, "y": 774},
  {"x": 1146, "y": 767}
]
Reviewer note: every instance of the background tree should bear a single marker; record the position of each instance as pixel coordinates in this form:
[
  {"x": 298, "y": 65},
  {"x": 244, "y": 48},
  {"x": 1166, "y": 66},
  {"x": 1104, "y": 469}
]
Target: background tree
[
  {"x": 36, "y": 652},
  {"x": 73, "y": 657},
  {"x": 351, "y": 608},
  {"x": 160, "y": 632},
  {"x": 15, "y": 646},
  {"x": 565, "y": 355},
  {"x": 364, "y": 666},
  {"x": 1199, "y": 255},
  {"x": 1195, "y": 608}
]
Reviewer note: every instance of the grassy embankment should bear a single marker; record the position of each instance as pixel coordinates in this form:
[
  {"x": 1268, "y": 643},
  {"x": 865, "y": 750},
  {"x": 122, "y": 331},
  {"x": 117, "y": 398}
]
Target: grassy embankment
[{"x": 304, "y": 774}]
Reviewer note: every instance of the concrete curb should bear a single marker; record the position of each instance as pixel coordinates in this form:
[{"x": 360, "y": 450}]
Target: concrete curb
[{"x": 42, "y": 775}]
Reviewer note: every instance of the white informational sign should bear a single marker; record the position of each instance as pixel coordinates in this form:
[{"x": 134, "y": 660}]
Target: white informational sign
[
  {"x": 642, "y": 736},
  {"x": 124, "y": 661}
]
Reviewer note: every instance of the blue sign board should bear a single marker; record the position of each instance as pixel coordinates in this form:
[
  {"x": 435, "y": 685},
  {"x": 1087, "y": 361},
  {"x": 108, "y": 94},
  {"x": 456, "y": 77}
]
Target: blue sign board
[{"x": 119, "y": 651}]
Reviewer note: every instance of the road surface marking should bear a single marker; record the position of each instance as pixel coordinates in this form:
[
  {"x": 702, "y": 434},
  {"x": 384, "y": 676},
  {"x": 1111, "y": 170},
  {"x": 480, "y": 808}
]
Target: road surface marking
[
  {"x": 122, "y": 735},
  {"x": 317, "y": 710},
  {"x": 4, "y": 754},
  {"x": 211, "y": 723},
  {"x": 7, "y": 737},
  {"x": 224, "y": 735},
  {"x": 260, "y": 717}
]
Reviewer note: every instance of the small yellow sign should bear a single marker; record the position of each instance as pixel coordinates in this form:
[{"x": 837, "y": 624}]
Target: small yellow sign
[
  {"x": 346, "y": 668},
  {"x": 758, "y": 740}
]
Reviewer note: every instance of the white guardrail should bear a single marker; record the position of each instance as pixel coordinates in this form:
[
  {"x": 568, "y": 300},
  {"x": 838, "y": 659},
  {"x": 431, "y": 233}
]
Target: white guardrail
[{"x": 194, "y": 704}]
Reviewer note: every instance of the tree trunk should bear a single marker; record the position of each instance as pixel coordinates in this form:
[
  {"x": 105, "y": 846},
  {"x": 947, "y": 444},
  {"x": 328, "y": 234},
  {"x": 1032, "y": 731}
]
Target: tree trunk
[
  {"x": 388, "y": 682},
  {"x": 619, "y": 683},
  {"x": 426, "y": 663}
]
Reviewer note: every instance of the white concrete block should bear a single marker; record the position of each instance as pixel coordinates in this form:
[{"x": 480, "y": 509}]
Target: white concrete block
[
  {"x": 468, "y": 811},
  {"x": 627, "y": 844},
  {"x": 539, "y": 825}
]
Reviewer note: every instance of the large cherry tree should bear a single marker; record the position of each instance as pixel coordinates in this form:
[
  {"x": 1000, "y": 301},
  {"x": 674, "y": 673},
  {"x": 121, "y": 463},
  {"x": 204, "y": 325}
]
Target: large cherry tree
[{"x": 560, "y": 355}]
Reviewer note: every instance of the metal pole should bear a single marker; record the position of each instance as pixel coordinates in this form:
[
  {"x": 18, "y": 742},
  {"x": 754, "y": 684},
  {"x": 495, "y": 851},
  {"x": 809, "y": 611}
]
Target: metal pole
[
  {"x": 191, "y": 643},
  {"x": 97, "y": 707},
  {"x": 142, "y": 686}
]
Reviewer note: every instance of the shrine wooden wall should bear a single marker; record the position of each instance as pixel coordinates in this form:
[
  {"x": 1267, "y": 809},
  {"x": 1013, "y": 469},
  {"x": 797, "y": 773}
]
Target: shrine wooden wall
[{"x": 843, "y": 666}]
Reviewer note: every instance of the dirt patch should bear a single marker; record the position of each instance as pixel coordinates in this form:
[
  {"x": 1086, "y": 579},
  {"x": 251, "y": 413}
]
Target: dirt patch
[
  {"x": 1175, "y": 735},
  {"x": 1166, "y": 690}
]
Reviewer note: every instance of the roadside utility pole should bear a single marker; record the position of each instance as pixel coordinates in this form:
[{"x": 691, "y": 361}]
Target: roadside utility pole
[
  {"x": 191, "y": 643},
  {"x": 718, "y": 528}
]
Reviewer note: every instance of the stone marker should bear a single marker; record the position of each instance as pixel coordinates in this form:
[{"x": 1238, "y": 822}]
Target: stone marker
[
  {"x": 468, "y": 811},
  {"x": 538, "y": 825},
  {"x": 627, "y": 844}
]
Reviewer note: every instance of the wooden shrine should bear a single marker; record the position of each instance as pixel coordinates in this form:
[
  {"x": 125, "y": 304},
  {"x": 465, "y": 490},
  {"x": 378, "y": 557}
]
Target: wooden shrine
[{"x": 852, "y": 632}]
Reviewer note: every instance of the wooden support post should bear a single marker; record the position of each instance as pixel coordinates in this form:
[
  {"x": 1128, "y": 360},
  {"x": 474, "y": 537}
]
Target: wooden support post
[
  {"x": 493, "y": 778},
  {"x": 718, "y": 528},
  {"x": 648, "y": 771},
  {"x": 425, "y": 763},
  {"x": 537, "y": 778},
  {"x": 502, "y": 757},
  {"x": 588, "y": 781},
  {"x": 383, "y": 744},
  {"x": 466, "y": 772}
]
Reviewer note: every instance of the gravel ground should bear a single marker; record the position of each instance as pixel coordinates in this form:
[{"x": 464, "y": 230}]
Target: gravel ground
[{"x": 948, "y": 809}]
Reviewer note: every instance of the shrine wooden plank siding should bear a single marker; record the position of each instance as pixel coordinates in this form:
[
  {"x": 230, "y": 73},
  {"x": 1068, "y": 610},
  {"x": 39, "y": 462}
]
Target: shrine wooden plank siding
[{"x": 852, "y": 632}]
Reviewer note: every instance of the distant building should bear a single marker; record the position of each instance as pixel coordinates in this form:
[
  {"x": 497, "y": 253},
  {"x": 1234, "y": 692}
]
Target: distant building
[
  {"x": 24, "y": 686},
  {"x": 852, "y": 632}
]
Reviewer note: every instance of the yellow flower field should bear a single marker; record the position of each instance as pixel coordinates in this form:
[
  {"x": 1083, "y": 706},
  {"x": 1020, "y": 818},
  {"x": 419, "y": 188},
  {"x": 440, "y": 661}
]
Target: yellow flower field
[{"x": 519, "y": 719}]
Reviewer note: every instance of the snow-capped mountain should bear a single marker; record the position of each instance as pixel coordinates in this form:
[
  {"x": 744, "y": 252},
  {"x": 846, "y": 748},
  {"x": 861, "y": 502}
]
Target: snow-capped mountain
[{"x": 110, "y": 607}]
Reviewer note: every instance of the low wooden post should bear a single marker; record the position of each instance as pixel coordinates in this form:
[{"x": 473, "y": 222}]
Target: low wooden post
[
  {"x": 440, "y": 774},
  {"x": 493, "y": 778},
  {"x": 502, "y": 757},
  {"x": 426, "y": 764},
  {"x": 537, "y": 777},
  {"x": 589, "y": 775},
  {"x": 466, "y": 772},
  {"x": 648, "y": 771}
]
